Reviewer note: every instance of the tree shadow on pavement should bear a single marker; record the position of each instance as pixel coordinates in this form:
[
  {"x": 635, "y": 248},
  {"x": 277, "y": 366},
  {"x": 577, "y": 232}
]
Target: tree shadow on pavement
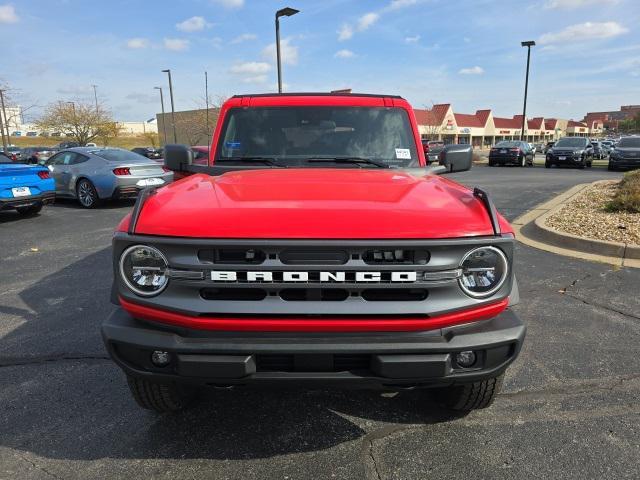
[{"x": 63, "y": 399}]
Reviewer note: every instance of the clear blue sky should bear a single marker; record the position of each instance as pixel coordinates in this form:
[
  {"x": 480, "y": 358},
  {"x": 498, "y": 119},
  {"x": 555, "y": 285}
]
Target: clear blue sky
[{"x": 466, "y": 53}]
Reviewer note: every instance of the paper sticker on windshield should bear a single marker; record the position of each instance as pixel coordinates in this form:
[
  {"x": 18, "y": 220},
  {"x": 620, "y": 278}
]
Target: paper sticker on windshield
[{"x": 403, "y": 153}]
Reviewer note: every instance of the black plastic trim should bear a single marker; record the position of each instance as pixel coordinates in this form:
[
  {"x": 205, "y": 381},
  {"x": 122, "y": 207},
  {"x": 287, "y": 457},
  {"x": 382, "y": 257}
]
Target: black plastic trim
[
  {"x": 137, "y": 208},
  {"x": 490, "y": 207}
]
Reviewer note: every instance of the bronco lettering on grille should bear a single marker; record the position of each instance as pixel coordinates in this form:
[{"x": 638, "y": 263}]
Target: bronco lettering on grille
[{"x": 311, "y": 277}]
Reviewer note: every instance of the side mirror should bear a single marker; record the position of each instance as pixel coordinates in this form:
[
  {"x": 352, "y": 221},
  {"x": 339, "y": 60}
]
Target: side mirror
[
  {"x": 457, "y": 158},
  {"x": 176, "y": 157}
]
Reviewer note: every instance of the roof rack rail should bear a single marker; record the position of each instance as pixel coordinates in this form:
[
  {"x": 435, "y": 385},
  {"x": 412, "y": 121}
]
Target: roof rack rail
[
  {"x": 137, "y": 208},
  {"x": 490, "y": 207}
]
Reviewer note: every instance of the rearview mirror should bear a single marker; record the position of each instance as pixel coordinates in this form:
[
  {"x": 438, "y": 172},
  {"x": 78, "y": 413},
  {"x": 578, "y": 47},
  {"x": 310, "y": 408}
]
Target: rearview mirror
[
  {"x": 456, "y": 158},
  {"x": 177, "y": 157}
]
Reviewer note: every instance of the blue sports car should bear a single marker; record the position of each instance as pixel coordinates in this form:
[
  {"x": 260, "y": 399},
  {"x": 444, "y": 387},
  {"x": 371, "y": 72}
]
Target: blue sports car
[{"x": 25, "y": 188}]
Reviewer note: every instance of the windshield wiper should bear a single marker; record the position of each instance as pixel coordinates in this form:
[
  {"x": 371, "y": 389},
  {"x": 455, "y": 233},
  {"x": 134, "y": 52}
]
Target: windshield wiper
[
  {"x": 266, "y": 160},
  {"x": 357, "y": 160}
]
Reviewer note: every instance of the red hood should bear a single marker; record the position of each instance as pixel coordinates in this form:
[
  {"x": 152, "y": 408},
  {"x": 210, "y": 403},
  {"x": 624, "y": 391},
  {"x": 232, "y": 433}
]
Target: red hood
[{"x": 315, "y": 203}]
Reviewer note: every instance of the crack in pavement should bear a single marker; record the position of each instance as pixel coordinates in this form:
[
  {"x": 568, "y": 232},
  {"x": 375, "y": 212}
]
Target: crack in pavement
[
  {"x": 17, "y": 362},
  {"x": 604, "y": 307},
  {"x": 38, "y": 467}
]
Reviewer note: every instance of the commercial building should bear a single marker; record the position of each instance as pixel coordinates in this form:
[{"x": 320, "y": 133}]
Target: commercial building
[
  {"x": 482, "y": 129},
  {"x": 611, "y": 120}
]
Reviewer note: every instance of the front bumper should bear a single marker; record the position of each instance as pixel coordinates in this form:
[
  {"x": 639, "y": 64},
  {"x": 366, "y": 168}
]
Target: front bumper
[
  {"x": 564, "y": 159},
  {"x": 622, "y": 162},
  {"x": 43, "y": 198},
  {"x": 374, "y": 360}
]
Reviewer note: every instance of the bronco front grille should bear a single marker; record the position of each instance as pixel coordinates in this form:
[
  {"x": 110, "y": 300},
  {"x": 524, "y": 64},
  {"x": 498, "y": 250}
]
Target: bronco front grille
[{"x": 313, "y": 278}]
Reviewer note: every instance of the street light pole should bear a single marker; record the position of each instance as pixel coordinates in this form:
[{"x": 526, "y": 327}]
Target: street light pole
[
  {"x": 173, "y": 111},
  {"x": 95, "y": 95},
  {"x": 284, "y": 12},
  {"x": 5, "y": 123},
  {"x": 528, "y": 44},
  {"x": 164, "y": 120},
  {"x": 206, "y": 101}
]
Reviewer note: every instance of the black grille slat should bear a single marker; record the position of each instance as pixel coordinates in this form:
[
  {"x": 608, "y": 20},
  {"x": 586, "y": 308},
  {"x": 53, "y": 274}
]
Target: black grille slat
[{"x": 331, "y": 363}]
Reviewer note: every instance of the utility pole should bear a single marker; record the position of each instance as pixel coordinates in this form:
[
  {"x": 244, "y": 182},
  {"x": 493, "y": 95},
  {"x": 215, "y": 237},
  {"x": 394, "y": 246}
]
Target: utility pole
[
  {"x": 528, "y": 44},
  {"x": 206, "y": 101},
  {"x": 173, "y": 111},
  {"x": 5, "y": 122},
  {"x": 284, "y": 12},
  {"x": 164, "y": 120},
  {"x": 95, "y": 95}
]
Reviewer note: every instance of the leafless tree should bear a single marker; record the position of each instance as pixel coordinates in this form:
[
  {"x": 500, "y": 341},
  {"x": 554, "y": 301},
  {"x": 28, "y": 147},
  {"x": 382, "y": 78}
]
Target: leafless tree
[{"x": 78, "y": 120}]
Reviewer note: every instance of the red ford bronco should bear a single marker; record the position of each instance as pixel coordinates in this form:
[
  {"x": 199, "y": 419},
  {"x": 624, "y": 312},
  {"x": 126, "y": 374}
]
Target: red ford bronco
[{"x": 315, "y": 248}]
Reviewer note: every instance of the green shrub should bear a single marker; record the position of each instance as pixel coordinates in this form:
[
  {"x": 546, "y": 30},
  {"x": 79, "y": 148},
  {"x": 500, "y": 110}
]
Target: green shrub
[{"x": 627, "y": 198}]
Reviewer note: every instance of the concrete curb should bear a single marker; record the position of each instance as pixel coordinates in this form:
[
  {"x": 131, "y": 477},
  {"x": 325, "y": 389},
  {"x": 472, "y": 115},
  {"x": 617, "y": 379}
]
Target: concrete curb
[{"x": 552, "y": 240}]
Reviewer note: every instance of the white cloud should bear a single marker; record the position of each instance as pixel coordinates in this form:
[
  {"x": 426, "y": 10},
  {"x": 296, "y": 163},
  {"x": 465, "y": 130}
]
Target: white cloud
[
  {"x": 288, "y": 52},
  {"x": 366, "y": 20},
  {"x": 193, "y": 24},
  {"x": 245, "y": 37},
  {"x": 176, "y": 44},
  {"x": 344, "y": 53},
  {"x": 396, "y": 4},
  {"x": 471, "y": 71},
  {"x": 255, "y": 79},
  {"x": 345, "y": 32},
  {"x": 230, "y": 3},
  {"x": 584, "y": 31},
  {"x": 8, "y": 14},
  {"x": 137, "y": 43},
  {"x": 573, "y": 4},
  {"x": 251, "y": 68},
  {"x": 414, "y": 39}
]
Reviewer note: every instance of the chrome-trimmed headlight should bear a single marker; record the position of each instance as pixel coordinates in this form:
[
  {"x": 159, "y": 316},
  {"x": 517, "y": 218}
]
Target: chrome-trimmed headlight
[
  {"x": 483, "y": 271},
  {"x": 144, "y": 270}
]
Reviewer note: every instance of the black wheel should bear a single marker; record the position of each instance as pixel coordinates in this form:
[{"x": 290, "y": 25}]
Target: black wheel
[
  {"x": 547, "y": 164},
  {"x": 30, "y": 210},
  {"x": 470, "y": 396},
  {"x": 582, "y": 164},
  {"x": 589, "y": 163},
  {"x": 522, "y": 161},
  {"x": 491, "y": 164},
  {"x": 610, "y": 167},
  {"x": 161, "y": 397},
  {"x": 87, "y": 194}
]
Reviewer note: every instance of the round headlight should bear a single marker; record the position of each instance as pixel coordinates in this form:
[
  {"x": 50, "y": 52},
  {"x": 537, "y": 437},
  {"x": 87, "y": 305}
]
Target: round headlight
[
  {"x": 484, "y": 270},
  {"x": 144, "y": 270}
]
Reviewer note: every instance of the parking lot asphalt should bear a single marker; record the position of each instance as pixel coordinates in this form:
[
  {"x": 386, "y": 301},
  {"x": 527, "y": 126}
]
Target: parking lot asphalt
[{"x": 569, "y": 408}]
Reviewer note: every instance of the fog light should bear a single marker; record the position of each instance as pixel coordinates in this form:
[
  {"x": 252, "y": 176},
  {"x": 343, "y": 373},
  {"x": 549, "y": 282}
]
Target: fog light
[
  {"x": 160, "y": 359},
  {"x": 466, "y": 359}
]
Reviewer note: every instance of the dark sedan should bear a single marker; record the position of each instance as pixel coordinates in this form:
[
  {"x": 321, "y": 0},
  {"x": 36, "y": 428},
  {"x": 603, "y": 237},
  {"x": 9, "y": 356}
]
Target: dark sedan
[
  {"x": 626, "y": 154},
  {"x": 570, "y": 151},
  {"x": 511, "y": 152},
  {"x": 598, "y": 150}
]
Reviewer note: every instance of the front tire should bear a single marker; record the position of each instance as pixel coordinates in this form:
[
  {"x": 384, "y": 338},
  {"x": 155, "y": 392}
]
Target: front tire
[
  {"x": 547, "y": 164},
  {"x": 87, "y": 194},
  {"x": 160, "y": 397},
  {"x": 30, "y": 210},
  {"x": 470, "y": 396}
]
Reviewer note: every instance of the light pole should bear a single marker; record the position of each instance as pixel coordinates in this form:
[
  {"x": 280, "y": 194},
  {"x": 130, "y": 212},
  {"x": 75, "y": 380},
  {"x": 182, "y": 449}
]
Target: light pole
[
  {"x": 528, "y": 44},
  {"x": 5, "y": 123},
  {"x": 206, "y": 102},
  {"x": 284, "y": 12},
  {"x": 95, "y": 95},
  {"x": 173, "y": 111},
  {"x": 164, "y": 121}
]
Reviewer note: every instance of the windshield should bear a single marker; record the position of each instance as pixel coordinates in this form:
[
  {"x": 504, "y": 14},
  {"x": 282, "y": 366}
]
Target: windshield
[
  {"x": 293, "y": 135},
  {"x": 629, "y": 142},
  {"x": 117, "y": 155},
  {"x": 571, "y": 142}
]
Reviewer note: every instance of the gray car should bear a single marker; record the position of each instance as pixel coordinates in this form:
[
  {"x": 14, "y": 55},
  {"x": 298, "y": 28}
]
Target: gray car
[{"x": 93, "y": 174}]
